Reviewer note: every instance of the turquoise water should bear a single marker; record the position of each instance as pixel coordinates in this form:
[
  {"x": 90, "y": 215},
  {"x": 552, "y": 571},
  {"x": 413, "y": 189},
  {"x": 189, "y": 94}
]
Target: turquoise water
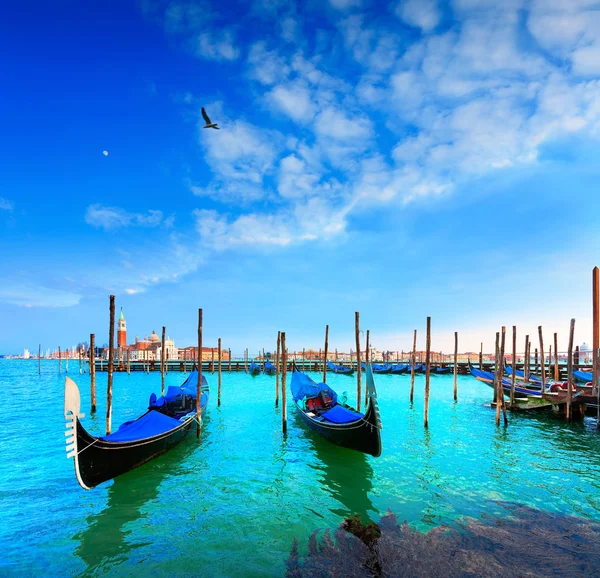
[{"x": 232, "y": 504}]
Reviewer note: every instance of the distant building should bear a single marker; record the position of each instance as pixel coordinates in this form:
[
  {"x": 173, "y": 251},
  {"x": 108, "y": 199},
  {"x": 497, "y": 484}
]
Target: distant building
[
  {"x": 121, "y": 331},
  {"x": 585, "y": 354},
  {"x": 26, "y": 354}
]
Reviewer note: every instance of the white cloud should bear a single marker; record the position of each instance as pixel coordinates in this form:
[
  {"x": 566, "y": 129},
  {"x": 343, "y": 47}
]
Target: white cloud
[
  {"x": 26, "y": 294},
  {"x": 265, "y": 66},
  {"x": 105, "y": 153},
  {"x": 423, "y": 14},
  {"x": 334, "y": 123},
  {"x": 6, "y": 205},
  {"x": 107, "y": 218},
  {"x": 217, "y": 48},
  {"x": 293, "y": 100}
]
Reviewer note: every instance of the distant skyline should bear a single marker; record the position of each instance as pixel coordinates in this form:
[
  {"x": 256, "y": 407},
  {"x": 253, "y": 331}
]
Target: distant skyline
[{"x": 401, "y": 159}]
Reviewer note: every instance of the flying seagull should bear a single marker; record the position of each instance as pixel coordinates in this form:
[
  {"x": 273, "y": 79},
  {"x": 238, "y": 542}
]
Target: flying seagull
[{"x": 208, "y": 123}]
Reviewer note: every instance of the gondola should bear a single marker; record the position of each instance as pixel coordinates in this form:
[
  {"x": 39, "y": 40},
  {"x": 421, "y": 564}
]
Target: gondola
[
  {"x": 168, "y": 420},
  {"x": 583, "y": 376},
  {"x": 399, "y": 369},
  {"x": 488, "y": 378},
  {"x": 270, "y": 369},
  {"x": 340, "y": 369},
  {"x": 534, "y": 381},
  {"x": 419, "y": 368},
  {"x": 254, "y": 369},
  {"x": 379, "y": 368},
  {"x": 320, "y": 410},
  {"x": 437, "y": 370}
]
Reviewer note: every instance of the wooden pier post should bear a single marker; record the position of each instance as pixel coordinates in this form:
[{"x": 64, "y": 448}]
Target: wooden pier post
[
  {"x": 212, "y": 360},
  {"x": 358, "y": 368},
  {"x": 111, "y": 355},
  {"x": 277, "y": 359},
  {"x": 166, "y": 362},
  {"x": 128, "y": 362},
  {"x": 526, "y": 360},
  {"x": 184, "y": 361},
  {"x": 230, "y": 360},
  {"x": 246, "y": 360},
  {"x": 59, "y": 361},
  {"x": 556, "y": 371},
  {"x": 199, "y": 383},
  {"x": 481, "y": 357},
  {"x": 40, "y": 359},
  {"x": 455, "y": 365},
  {"x": 303, "y": 359},
  {"x": 93, "y": 370},
  {"x": 596, "y": 337},
  {"x": 496, "y": 356},
  {"x": 263, "y": 359},
  {"x": 543, "y": 364},
  {"x": 283, "y": 385},
  {"x": 427, "y": 370},
  {"x": 570, "y": 368},
  {"x": 576, "y": 358},
  {"x": 500, "y": 401},
  {"x": 412, "y": 367},
  {"x": 219, "y": 372},
  {"x": 162, "y": 363},
  {"x": 367, "y": 361},
  {"x": 535, "y": 361},
  {"x": 513, "y": 377},
  {"x": 325, "y": 357},
  {"x": 67, "y": 360}
]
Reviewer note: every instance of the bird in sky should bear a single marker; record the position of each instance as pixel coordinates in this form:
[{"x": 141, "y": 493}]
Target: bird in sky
[{"x": 207, "y": 119}]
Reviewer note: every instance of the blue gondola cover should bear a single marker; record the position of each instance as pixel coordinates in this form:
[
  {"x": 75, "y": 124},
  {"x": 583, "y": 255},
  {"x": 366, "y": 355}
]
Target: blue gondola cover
[
  {"x": 340, "y": 414},
  {"x": 150, "y": 424},
  {"x": 303, "y": 386}
]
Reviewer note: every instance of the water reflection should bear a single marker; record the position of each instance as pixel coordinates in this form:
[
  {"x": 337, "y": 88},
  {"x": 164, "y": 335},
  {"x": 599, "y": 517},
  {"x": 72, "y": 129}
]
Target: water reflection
[
  {"x": 105, "y": 542},
  {"x": 346, "y": 475}
]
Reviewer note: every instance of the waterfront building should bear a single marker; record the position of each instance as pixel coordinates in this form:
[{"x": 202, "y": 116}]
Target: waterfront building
[{"x": 121, "y": 331}]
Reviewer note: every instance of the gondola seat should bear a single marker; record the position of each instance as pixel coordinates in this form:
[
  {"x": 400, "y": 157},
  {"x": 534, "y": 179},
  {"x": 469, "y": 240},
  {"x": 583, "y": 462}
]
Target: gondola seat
[{"x": 339, "y": 414}]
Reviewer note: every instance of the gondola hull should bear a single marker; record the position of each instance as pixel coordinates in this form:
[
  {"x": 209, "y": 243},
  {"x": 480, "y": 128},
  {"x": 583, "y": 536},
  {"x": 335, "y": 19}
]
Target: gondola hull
[
  {"x": 362, "y": 435},
  {"x": 99, "y": 461}
]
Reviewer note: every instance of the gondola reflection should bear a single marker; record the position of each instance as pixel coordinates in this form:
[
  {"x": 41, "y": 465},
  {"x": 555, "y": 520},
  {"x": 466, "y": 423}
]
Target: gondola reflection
[
  {"x": 346, "y": 474},
  {"x": 109, "y": 537}
]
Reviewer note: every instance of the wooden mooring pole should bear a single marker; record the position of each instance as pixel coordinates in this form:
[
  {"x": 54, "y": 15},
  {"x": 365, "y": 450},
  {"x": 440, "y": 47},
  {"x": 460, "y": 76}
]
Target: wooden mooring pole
[
  {"x": 199, "y": 383},
  {"x": 427, "y": 371},
  {"x": 283, "y": 386},
  {"x": 358, "y": 368},
  {"x": 212, "y": 360},
  {"x": 325, "y": 356},
  {"x": 59, "y": 361},
  {"x": 526, "y": 360},
  {"x": 455, "y": 365},
  {"x": 543, "y": 359},
  {"x": 513, "y": 377},
  {"x": 162, "y": 363},
  {"x": 277, "y": 360},
  {"x": 500, "y": 402},
  {"x": 93, "y": 370},
  {"x": 111, "y": 354},
  {"x": 570, "y": 368},
  {"x": 367, "y": 361},
  {"x": 481, "y": 357},
  {"x": 219, "y": 372},
  {"x": 412, "y": 367},
  {"x": 40, "y": 359},
  {"x": 496, "y": 355},
  {"x": 67, "y": 360},
  {"x": 556, "y": 371},
  {"x": 229, "y": 360},
  {"x": 596, "y": 337}
]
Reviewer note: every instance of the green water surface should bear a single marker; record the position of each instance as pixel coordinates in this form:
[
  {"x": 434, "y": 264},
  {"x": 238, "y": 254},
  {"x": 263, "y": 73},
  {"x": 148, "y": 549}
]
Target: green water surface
[{"x": 232, "y": 504}]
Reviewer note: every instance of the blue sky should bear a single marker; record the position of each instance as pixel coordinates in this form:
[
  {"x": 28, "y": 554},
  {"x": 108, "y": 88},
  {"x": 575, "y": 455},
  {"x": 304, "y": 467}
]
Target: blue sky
[{"x": 399, "y": 159}]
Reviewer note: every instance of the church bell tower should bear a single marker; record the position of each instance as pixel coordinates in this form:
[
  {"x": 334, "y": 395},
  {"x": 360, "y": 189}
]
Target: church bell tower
[{"x": 121, "y": 331}]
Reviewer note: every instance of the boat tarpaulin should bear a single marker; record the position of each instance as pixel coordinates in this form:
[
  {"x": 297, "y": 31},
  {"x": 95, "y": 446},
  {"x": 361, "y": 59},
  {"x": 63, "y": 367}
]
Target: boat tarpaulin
[
  {"x": 304, "y": 387},
  {"x": 150, "y": 424},
  {"x": 340, "y": 414}
]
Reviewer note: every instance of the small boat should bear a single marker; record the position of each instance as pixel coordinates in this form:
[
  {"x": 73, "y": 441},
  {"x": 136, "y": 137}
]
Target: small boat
[
  {"x": 400, "y": 368},
  {"x": 379, "y": 368},
  {"x": 534, "y": 381},
  {"x": 583, "y": 376},
  {"x": 334, "y": 368},
  {"x": 488, "y": 378},
  {"x": 270, "y": 369},
  {"x": 438, "y": 370},
  {"x": 419, "y": 368},
  {"x": 254, "y": 369},
  {"x": 168, "y": 420},
  {"x": 320, "y": 409}
]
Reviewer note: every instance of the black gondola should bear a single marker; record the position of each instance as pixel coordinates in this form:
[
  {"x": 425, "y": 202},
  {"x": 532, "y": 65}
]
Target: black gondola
[
  {"x": 168, "y": 420},
  {"x": 339, "y": 369},
  {"x": 254, "y": 369},
  {"x": 269, "y": 369},
  {"x": 338, "y": 423}
]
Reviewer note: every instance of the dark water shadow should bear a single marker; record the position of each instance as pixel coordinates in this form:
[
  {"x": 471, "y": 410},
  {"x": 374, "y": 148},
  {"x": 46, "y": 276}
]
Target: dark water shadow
[
  {"x": 108, "y": 540},
  {"x": 523, "y": 542}
]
